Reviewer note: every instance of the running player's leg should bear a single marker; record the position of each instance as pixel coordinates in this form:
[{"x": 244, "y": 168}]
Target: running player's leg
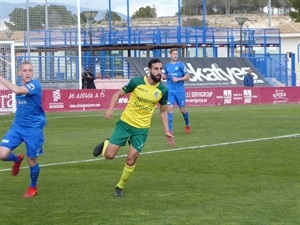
[
  {"x": 34, "y": 140},
  {"x": 10, "y": 141},
  {"x": 118, "y": 138},
  {"x": 137, "y": 142},
  {"x": 170, "y": 106},
  {"x": 180, "y": 101}
]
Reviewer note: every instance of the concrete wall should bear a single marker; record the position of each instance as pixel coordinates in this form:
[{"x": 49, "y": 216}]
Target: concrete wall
[{"x": 289, "y": 43}]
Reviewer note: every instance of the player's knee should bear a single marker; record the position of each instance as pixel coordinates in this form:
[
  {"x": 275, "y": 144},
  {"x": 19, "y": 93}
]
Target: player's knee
[
  {"x": 32, "y": 161},
  {"x": 4, "y": 153},
  {"x": 182, "y": 110},
  {"x": 130, "y": 162},
  {"x": 109, "y": 155},
  {"x": 170, "y": 110}
]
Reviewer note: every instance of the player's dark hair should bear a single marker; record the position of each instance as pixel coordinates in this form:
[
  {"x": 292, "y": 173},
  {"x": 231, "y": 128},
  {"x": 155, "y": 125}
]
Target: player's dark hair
[{"x": 152, "y": 61}]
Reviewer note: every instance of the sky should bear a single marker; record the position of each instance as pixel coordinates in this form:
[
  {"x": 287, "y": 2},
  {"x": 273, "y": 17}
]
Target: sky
[{"x": 163, "y": 7}]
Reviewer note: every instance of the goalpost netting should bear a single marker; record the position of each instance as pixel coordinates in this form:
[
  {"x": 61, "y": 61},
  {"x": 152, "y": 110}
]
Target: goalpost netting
[
  {"x": 7, "y": 70},
  {"x": 48, "y": 35}
]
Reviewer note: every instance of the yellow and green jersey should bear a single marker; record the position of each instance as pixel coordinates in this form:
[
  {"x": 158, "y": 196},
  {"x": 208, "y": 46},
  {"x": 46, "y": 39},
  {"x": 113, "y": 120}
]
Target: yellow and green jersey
[{"x": 142, "y": 101}]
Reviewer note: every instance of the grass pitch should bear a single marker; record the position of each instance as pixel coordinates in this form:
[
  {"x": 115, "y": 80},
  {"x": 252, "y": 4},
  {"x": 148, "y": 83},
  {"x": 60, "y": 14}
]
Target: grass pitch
[{"x": 240, "y": 165}]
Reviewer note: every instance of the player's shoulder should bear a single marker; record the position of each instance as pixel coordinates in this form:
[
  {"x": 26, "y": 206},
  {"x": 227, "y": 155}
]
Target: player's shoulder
[
  {"x": 33, "y": 84},
  {"x": 138, "y": 80},
  {"x": 34, "y": 81},
  {"x": 181, "y": 63},
  {"x": 133, "y": 83},
  {"x": 162, "y": 87}
]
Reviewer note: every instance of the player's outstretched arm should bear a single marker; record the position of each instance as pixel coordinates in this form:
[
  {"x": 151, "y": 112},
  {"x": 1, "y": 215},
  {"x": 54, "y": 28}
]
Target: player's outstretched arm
[
  {"x": 14, "y": 88},
  {"x": 112, "y": 104},
  {"x": 164, "y": 119}
]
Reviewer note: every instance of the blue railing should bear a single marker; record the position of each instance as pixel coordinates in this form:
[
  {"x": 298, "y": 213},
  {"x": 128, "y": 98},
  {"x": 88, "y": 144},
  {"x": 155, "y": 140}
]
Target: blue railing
[
  {"x": 102, "y": 36},
  {"x": 271, "y": 68},
  {"x": 65, "y": 69},
  {"x": 106, "y": 65}
]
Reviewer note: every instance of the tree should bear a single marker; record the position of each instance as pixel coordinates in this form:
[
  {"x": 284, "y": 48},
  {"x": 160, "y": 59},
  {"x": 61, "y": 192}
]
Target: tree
[
  {"x": 146, "y": 12},
  {"x": 221, "y": 6},
  {"x": 295, "y": 14},
  {"x": 195, "y": 7},
  {"x": 191, "y": 7},
  {"x": 248, "y": 6},
  {"x": 228, "y": 4},
  {"x": 192, "y": 22},
  {"x": 57, "y": 16},
  {"x": 114, "y": 16},
  {"x": 285, "y": 5},
  {"x": 17, "y": 20}
]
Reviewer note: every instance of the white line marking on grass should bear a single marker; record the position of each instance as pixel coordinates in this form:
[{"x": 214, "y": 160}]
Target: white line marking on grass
[
  {"x": 67, "y": 117},
  {"x": 100, "y": 113},
  {"x": 171, "y": 150}
]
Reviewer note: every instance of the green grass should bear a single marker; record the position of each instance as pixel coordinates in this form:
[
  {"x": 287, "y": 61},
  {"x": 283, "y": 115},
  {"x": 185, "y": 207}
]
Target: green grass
[{"x": 215, "y": 176}]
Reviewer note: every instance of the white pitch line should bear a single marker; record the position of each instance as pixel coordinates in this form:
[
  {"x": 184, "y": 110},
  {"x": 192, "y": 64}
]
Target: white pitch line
[
  {"x": 115, "y": 114},
  {"x": 171, "y": 150}
]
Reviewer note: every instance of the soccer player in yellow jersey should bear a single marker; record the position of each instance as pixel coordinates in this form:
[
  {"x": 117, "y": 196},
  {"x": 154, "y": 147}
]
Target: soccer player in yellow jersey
[{"x": 145, "y": 93}]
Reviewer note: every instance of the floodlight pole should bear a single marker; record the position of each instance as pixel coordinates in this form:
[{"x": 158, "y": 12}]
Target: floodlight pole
[
  {"x": 27, "y": 29},
  {"x": 46, "y": 16},
  {"x": 270, "y": 13},
  {"x": 241, "y": 21},
  {"x": 90, "y": 16},
  {"x": 179, "y": 24}
]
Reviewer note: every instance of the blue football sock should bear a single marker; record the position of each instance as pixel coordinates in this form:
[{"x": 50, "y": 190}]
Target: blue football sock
[
  {"x": 186, "y": 118},
  {"x": 12, "y": 157},
  {"x": 170, "y": 121},
  {"x": 34, "y": 174}
]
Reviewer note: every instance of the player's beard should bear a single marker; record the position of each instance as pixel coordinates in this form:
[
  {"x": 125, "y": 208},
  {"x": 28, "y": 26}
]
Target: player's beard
[{"x": 154, "y": 78}]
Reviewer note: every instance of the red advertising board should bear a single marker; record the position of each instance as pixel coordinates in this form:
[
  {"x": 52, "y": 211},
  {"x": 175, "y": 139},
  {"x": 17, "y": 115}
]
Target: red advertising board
[
  {"x": 6, "y": 99},
  {"x": 91, "y": 99},
  {"x": 99, "y": 99},
  {"x": 79, "y": 100},
  {"x": 241, "y": 96},
  {"x": 221, "y": 96}
]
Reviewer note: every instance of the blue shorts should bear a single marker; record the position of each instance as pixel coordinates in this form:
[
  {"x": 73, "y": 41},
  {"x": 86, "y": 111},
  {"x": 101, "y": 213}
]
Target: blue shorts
[
  {"x": 176, "y": 97},
  {"x": 32, "y": 137}
]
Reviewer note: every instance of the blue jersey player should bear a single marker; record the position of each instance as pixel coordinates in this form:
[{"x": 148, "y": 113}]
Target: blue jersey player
[
  {"x": 175, "y": 74},
  {"x": 27, "y": 126}
]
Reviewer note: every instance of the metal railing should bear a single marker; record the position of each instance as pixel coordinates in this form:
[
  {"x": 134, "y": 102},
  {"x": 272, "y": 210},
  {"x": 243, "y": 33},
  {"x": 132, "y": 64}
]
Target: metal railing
[
  {"x": 63, "y": 71},
  {"x": 271, "y": 68}
]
